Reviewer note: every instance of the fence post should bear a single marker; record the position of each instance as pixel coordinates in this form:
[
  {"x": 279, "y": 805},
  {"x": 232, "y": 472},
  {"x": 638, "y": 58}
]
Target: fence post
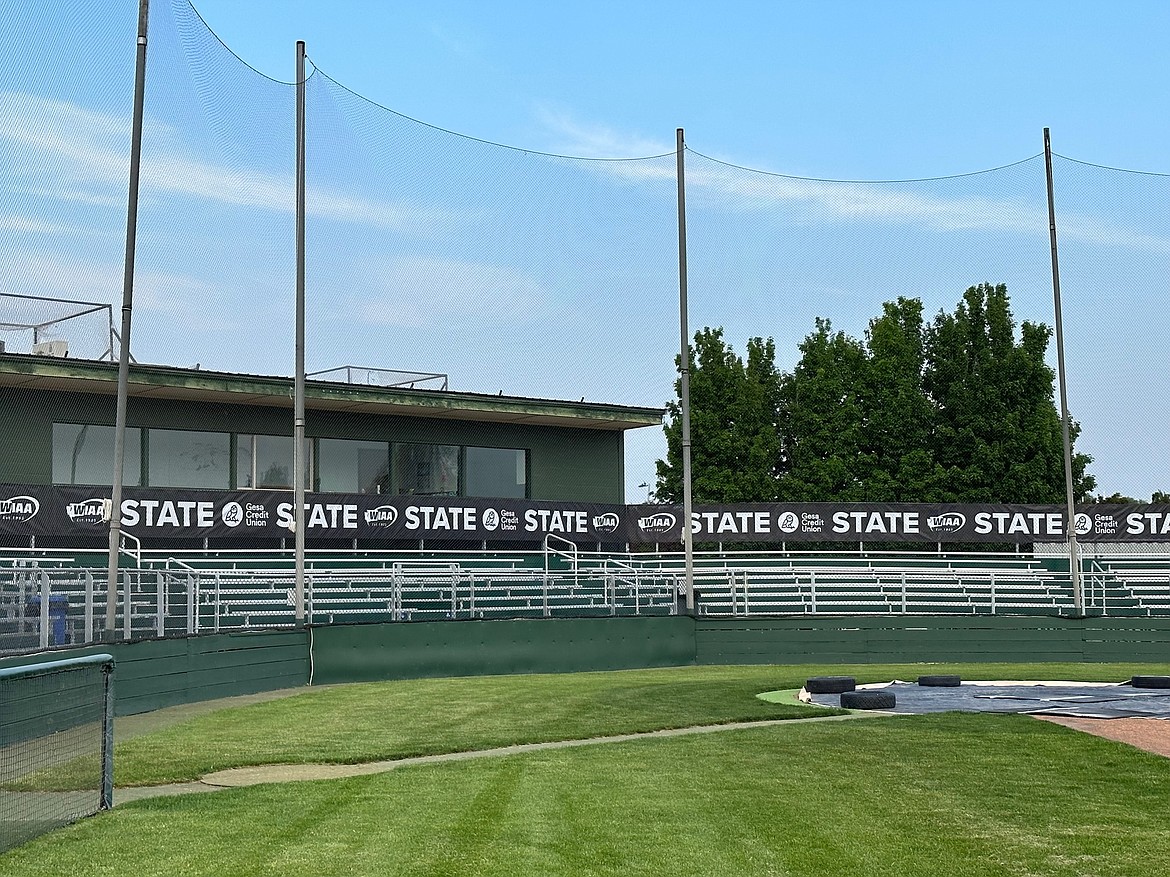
[
  {"x": 160, "y": 619},
  {"x": 44, "y": 607},
  {"x": 88, "y": 606},
  {"x": 192, "y": 601},
  {"x": 126, "y": 602}
]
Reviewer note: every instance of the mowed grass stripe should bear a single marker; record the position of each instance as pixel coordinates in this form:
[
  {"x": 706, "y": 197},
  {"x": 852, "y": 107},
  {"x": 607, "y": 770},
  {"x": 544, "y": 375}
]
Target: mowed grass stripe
[
  {"x": 377, "y": 721},
  {"x": 925, "y": 795}
]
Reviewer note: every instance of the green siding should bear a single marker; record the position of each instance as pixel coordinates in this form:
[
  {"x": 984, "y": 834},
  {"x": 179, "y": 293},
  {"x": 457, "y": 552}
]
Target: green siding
[{"x": 571, "y": 464}]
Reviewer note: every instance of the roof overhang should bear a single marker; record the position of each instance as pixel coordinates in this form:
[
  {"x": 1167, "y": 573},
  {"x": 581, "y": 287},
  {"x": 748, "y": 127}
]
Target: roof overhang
[{"x": 52, "y": 374}]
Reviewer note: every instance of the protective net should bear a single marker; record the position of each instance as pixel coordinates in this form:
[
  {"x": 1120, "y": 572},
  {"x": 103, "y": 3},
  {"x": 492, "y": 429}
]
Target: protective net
[
  {"x": 526, "y": 271},
  {"x": 55, "y": 724},
  {"x": 56, "y": 327}
]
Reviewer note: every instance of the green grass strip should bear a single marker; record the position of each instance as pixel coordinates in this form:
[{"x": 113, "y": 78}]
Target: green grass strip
[
  {"x": 895, "y": 797},
  {"x": 376, "y": 721}
]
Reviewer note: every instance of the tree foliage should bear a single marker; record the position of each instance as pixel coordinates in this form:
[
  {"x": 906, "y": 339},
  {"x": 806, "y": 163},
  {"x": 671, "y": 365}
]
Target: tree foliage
[
  {"x": 734, "y": 436},
  {"x": 959, "y": 409}
]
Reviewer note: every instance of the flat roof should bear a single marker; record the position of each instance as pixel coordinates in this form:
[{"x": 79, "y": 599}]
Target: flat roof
[{"x": 56, "y": 374}]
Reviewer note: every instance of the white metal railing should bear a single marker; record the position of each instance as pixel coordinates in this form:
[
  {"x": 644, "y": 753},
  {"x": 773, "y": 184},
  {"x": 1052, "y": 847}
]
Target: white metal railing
[{"x": 48, "y": 601}]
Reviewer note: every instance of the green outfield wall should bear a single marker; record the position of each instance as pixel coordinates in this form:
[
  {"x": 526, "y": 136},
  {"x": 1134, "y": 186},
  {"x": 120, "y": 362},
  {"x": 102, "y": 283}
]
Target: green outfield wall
[
  {"x": 156, "y": 673},
  {"x": 907, "y": 638},
  {"x": 152, "y": 674},
  {"x": 364, "y": 652}
]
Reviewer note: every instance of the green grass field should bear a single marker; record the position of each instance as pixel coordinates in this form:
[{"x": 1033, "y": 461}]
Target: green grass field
[{"x": 930, "y": 795}]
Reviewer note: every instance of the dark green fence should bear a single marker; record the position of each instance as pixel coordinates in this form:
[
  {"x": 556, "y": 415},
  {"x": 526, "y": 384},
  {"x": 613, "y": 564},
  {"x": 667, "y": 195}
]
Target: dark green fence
[
  {"x": 902, "y": 638},
  {"x": 157, "y": 673},
  {"x": 363, "y": 652}
]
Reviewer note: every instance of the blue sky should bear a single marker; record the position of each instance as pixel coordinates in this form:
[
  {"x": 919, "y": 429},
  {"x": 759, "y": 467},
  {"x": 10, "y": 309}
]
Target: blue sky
[{"x": 842, "y": 91}]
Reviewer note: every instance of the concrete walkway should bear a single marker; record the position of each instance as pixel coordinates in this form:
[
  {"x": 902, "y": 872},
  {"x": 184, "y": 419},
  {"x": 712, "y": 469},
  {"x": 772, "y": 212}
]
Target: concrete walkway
[{"x": 286, "y": 773}]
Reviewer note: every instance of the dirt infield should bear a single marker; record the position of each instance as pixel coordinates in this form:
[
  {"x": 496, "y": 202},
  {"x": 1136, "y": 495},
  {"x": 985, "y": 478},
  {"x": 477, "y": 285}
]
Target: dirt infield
[{"x": 1152, "y": 735}]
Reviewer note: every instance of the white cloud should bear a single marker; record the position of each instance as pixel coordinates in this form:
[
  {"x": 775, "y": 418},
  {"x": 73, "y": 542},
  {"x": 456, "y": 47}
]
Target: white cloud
[
  {"x": 741, "y": 189},
  {"x": 418, "y": 291},
  {"x": 29, "y": 225},
  {"x": 595, "y": 141},
  {"x": 74, "y": 154}
]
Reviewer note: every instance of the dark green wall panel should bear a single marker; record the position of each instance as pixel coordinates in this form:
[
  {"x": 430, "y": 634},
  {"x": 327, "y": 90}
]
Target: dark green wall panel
[
  {"x": 348, "y": 653},
  {"x": 157, "y": 673},
  {"x": 152, "y": 674},
  {"x": 931, "y": 639}
]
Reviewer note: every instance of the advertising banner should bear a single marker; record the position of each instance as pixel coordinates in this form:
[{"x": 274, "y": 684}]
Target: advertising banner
[
  {"x": 179, "y": 513},
  {"x": 33, "y": 510},
  {"x": 899, "y": 522}
]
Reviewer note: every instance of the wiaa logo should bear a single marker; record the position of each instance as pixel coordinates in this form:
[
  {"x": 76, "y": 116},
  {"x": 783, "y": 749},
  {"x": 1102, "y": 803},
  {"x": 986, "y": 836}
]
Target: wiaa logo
[
  {"x": 948, "y": 522},
  {"x": 659, "y": 522},
  {"x": 606, "y": 523},
  {"x": 19, "y": 508},
  {"x": 382, "y": 516},
  {"x": 87, "y": 511}
]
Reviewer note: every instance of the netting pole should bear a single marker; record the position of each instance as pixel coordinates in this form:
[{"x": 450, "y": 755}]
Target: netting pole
[
  {"x": 685, "y": 376},
  {"x": 110, "y": 630},
  {"x": 299, "y": 389},
  {"x": 1074, "y": 561},
  {"x": 106, "y": 801}
]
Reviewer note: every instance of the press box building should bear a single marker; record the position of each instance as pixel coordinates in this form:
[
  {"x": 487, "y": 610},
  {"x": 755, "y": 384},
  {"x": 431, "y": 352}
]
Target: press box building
[{"x": 191, "y": 428}]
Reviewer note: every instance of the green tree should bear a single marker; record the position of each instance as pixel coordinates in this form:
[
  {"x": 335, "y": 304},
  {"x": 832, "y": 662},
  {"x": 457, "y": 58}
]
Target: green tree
[
  {"x": 735, "y": 442},
  {"x": 960, "y": 410},
  {"x": 997, "y": 435},
  {"x": 1114, "y": 499},
  {"x": 896, "y": 463},
  {"x": 822, "y": 418}
]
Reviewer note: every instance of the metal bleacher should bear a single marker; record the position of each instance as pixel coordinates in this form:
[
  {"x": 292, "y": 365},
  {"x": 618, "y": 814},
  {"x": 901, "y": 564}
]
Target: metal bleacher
[{"x": 58, "y": 597}]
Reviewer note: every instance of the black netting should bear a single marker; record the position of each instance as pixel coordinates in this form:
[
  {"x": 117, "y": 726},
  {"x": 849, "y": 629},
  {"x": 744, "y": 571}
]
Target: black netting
[
  {"x": 516, "y": 271},
  {"x": 52, "y": 727}
]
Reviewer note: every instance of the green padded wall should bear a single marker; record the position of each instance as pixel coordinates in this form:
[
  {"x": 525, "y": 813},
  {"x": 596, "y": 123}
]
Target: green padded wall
[
  {"x": 898, "y": 638},
  {"x": 152, "y": 674},
  {"x": 363, "y": 652},
  {"x": 157, "y": 673}
]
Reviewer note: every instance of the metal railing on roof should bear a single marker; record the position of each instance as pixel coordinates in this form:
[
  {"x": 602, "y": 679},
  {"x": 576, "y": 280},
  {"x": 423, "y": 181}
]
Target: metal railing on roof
[{"x": 381, "y": 377}]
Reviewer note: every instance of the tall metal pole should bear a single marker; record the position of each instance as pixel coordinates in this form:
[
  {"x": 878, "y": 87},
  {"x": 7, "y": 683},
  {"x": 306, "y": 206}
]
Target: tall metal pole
[
  {"x": 299, "y": 380},
  {"x": 111, "y": 627},
  {"x": 1074, "y": 560},
  {"x": 685, "y": 373}
]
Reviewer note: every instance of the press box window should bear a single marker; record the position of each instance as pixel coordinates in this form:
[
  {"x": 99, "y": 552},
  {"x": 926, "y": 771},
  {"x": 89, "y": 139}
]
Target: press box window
[
  {"x": 265, "y": 461},
  {"x": 499, "y": 472},
  {"x": 426, "y": 469},
  {"x": 186, "y": 458},
  {"x": 84, "y": 454},
  {"x": 350, "y": 466}
]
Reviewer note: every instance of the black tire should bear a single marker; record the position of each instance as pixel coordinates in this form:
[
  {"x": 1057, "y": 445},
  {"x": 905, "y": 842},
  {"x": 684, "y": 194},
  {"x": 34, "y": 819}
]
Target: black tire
[
  {"x": 868, "y": 700},
  {"x": 940, "y": 681},
  {"x": 1150, "y": 681},
  {"x": 829, "y": 684}
]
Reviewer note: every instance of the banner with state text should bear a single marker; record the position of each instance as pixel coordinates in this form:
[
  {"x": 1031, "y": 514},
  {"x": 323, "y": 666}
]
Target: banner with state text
[{"x": 156, "y": 513}]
